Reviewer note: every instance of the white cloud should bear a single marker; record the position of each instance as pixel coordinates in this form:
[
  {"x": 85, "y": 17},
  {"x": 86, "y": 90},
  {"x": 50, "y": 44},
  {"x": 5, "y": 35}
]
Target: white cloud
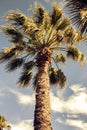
[
  {"x": 76, "y": 123},
  {"x": 24, "y": 125},
  {"x": 78, "y": 89},
  {"x": 56, "y": 103},
  {"x": 75, "y": 104},
  {"x": 23, "y": 98}
]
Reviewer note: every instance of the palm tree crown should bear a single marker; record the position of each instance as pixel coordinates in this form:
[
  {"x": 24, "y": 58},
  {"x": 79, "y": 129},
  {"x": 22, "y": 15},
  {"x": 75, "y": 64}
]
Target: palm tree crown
[
  {"x": 78, "y": 12},
  {"x": 31, "y": 37}
]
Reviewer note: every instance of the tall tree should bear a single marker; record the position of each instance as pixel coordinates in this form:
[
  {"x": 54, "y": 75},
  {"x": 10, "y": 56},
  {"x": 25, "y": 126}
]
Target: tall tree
[
  {"x": 78, "y": 13},
  {"x": 40, "y": 43}
]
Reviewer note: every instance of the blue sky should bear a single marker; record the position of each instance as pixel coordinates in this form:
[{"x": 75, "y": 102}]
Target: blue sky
[{"x": 68, "y": 106}]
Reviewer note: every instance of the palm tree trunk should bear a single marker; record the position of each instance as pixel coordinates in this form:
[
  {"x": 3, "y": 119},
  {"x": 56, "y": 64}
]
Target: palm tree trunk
[{"x": 42, "y": 119}]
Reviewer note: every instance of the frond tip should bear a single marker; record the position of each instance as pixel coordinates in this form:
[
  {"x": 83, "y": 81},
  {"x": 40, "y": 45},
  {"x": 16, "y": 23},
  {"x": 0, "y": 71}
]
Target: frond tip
[
  {"x": 14, "y": 64},
  {"x": 60, "y": 58},
  {"x": 25, "y": 78},
  {"x": 56, "y": 14},
  {"x": 73, "y": 52},
  {"x": 13, "y": 32},
  {"x": 76, "y": 54},
  {"x": 39, "y": 13},
  {"x": 17, "y": 16},
  {"x": 7, "y": 54}
]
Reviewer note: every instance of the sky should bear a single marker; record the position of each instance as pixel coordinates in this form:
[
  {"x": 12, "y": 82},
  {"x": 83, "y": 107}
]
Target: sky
[{"x": 68, "y": 106}]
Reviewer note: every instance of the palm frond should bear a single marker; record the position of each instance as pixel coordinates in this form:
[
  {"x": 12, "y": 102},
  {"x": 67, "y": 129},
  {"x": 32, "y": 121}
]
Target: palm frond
[
  {"x": 21, "y": 47},
  {"x": 19, "y": 19},
  {"x": 14, "y": 64},
  {"x": 29, "y": 65},
  {"x": 57, "y": 77},
  {"x": 31, "y": 49},
  {"x": 64, "y": 24},
  {"x": 75, "y": 54},
  {"x": 7, "y": 54},
  {"x": 54, "y": 79},
  {"x": 78, "y": 13},
  {"x": 17, "y": 16},
  {"x": 39, "y": 13},
  {"x": 62, "y": 78},
  {"x": 71, "y": 36},
  {"x": 42, "y": 17},
  {"x": 25, "y": 78},
  {"x": 56, "y": 14},
  {"x": 60, "y": 58},
  {"x": 13, "y": 32}
]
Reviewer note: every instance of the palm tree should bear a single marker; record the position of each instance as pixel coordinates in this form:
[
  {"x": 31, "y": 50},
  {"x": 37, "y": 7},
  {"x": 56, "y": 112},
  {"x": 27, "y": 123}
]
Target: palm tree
[
  {"x": 78, "y": 13},
  {"x": 3, "y": 123},
  {"x": 40, "y": 43}
]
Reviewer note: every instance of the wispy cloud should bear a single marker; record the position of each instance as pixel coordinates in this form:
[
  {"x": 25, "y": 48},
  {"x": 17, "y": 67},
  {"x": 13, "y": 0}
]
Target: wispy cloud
[
  {"x": 23, "y": 125},
  {"x": 75, "y": 104},
  {"x": 24, "y": 99},
  {"x": 75, "y": 123}
]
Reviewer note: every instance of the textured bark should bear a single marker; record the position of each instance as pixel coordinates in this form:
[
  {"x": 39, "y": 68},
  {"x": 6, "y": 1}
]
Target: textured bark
[{"x": 42, "y": 118}]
